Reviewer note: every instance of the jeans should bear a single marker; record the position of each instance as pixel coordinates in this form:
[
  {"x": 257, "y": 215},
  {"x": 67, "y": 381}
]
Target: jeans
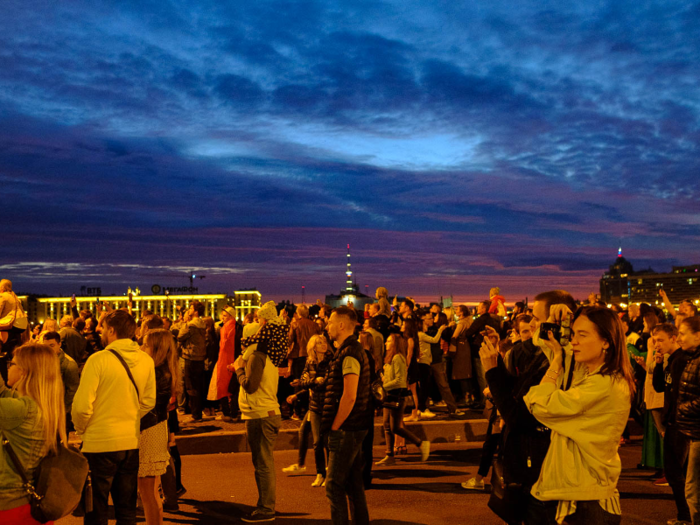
[
  {"x": 675, "y": 454},
  {"x": 262, "y": 434},
  {"x": 478, "y": 371},
  {"x": 692, "y": 481},
  {"x": 367, "y": 446},
  {"x": 194, "y": 383},
  {"x": 298, "y": 364},
  {"x": 312, "y": 422},
  {"x": 114, "y": 473},
  {"x": 344, "y": 481},
  {"x": 393, "y": 426},
  {"x": 440, "y": 378},
  {"x": 182, "y": 396}
]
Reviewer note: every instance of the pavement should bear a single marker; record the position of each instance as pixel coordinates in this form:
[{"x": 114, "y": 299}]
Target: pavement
[
  {"x": 213, "y": 435},
  {"x": 221, "y": 488}
]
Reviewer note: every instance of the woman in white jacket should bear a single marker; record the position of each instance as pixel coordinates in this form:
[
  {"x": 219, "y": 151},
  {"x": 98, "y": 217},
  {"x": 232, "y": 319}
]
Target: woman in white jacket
[{"x": 578, "y": 480}]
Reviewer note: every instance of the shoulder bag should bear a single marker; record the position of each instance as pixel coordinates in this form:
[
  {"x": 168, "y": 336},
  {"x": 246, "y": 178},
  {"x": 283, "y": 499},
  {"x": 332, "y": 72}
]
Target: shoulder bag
[{"x": 58, "y": 485}]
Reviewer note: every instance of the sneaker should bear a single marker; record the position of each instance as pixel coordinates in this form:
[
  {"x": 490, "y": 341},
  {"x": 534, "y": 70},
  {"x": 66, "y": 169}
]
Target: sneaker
[
  {"x": 295, "y": 418},
  {"x": 661, "y": 482},
  {"x": 473, "y": 484},
  {"x": 426, "y": 414},
  {"x": 387, "y": 461},
  {"x": 258, "y": 517},
  {"x": 677, "y": 522},
  {"x": 424, "y": 450},
  {"x": 411, "y": 419},
  {"x": 441, "y": 404},
  {"x": 320, "y": 480},
  {"x": 294, "y": 469},
  {"x": 457, "y": 413}
]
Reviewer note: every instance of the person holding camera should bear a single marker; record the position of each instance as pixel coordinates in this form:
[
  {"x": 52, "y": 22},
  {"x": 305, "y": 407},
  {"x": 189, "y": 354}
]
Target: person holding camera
[
  {"x": 578, "y": 480},
  {"x": 394, "y": 383}
]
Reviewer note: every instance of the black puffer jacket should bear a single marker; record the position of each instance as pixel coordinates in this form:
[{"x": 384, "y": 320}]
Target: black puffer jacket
[
  {"x": 309, "y": 380},
  {"x": 688, "y": 417},
  {"x": 360, "y": 417}
]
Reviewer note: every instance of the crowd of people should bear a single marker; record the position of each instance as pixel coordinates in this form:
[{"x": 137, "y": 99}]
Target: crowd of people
[{"x": 559, "y": 379}]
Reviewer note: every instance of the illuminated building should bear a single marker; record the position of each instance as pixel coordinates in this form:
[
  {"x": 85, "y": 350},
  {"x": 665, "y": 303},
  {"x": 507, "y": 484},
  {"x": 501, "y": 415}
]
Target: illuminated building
[
  {"x": 351, "y": 293},
  {"x": 621, "y": 284},
  {"x": 42, "y": 308}
]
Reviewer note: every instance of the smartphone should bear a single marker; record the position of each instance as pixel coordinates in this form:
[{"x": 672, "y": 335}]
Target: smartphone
[
  {"x": 550, "y": 327},
  {"x": 73, "y": 297}
]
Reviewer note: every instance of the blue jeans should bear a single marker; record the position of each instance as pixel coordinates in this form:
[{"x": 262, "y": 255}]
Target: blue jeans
[
  {"x": 262, "y": 434},
  {"x": 692, "y": 481},
  {"x": 344, "y": 477}
]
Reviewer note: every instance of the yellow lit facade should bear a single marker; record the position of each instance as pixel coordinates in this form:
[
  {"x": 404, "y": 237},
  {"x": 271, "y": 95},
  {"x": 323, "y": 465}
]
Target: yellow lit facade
[{"x": 246, "y": 301}]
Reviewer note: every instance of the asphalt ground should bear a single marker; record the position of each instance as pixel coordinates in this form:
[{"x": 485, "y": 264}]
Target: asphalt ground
[{"x": 221, "y": 488}]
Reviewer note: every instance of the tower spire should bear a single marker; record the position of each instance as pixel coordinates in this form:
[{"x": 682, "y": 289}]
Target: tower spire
[{"x": 348, "y": 275}]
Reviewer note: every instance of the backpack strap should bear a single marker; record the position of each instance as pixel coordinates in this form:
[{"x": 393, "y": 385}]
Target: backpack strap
[{"x": 128, "y": 370}]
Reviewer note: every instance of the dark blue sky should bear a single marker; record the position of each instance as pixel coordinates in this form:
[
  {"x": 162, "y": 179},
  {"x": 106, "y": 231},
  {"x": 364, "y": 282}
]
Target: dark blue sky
[{"x": 455, "y": 145}]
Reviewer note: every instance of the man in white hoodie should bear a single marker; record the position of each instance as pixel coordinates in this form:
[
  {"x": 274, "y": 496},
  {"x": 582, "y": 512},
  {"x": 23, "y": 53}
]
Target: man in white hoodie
[{"x": 107, "y": 411}]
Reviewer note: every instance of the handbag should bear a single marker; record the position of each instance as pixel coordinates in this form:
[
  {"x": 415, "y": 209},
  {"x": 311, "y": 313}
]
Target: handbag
[
  {"x": 507, "y": 500},
  {"x": 58, "y": 484}
]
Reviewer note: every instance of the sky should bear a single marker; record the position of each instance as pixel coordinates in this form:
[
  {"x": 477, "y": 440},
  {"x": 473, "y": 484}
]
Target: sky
[{"x": 454, "y": 145}]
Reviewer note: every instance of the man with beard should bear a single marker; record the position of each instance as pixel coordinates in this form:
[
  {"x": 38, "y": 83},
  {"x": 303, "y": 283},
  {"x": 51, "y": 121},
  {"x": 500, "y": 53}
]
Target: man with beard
[{"x": 117, "y": 388}]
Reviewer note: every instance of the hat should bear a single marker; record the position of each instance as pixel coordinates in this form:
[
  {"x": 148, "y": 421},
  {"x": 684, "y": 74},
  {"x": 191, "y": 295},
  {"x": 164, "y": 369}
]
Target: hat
[
  {"x": 230, "y": 310},
  {"x": 268, "y": 311}
]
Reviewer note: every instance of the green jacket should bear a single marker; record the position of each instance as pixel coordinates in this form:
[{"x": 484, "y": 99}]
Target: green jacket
[{"x": 22, "y": 426}]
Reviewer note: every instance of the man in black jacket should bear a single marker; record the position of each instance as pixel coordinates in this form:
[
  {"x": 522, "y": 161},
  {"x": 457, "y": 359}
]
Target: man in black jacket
[
  {"x": 666, "y": 381},
  {"x": 688, "y": 411},
  {"x": 526, "y": 440},
  {"x": 347, "y": 416},
  {"x": 475, "y": 337}
]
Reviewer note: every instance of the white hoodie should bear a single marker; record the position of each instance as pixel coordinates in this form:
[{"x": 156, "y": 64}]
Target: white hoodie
[{"x": 106, "y": 410}]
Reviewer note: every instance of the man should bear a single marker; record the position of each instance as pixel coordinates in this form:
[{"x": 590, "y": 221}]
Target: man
[
  {"x": 10, "y": 307},
  {"x": 435, "y": 310},
  {"x": 193, "y": 340},
  {"x": 300, "y": 332},
  {"x": 475, "y": 337},
  {"x": 522, "y": 431},
  {"x": 430, "y": 337},
  {"x": 73, "y": 342},
  {"x": 688, "y": 410},
  {"x": 260, "y": 410},
  {"x": 406, "y": 308},
  {"x": 347, "y": 416},
  {"x": 107, "y": 411},
  {"x": 69, "y": 373},
  {"x": 372, "y": 326},
  {"x": 382, "y": 320},
  {"x": 667, "y": 380},
  {"x": 523, "y": 352}
]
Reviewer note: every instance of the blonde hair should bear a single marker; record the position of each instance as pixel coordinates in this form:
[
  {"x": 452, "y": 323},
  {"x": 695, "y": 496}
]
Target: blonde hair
[
  {"x": 382, "y": 292},
  {"x": 311, "y": 347},
  {"x": 161, "y": 344},
  {"x": 50, "y": 322},
  {"x": 43, "y": 384},
  {"x": 494, "y": 291}
]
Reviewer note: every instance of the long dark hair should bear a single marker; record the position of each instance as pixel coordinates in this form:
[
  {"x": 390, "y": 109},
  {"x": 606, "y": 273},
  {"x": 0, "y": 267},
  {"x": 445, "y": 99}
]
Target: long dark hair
[
  {"x": 410, "y": 331},
  {"x": 610, "y": 329}
]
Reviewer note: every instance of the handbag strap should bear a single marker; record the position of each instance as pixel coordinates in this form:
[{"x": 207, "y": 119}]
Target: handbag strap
[
  {"x": 128, "y": 370},
  {"x": 28, "y": 486}
]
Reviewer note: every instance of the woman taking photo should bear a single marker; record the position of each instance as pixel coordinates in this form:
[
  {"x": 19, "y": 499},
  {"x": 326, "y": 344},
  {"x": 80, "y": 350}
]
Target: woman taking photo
[
  {"x": 153, "y": 444},
  {"x": 578, "y": 480},
  {"x": 32, "y": 414},
  {"x": 313, "y": 378},
  {"x": 394, "y": 382}
]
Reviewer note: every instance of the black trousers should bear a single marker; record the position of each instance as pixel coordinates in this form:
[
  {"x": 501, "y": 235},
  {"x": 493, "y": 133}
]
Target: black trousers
[
  {"x": 114, "y": 473},
  {"x": 298, "y": 364},
  {"x": 676, "y": 447},
  {"x": 194, "y": 384}
]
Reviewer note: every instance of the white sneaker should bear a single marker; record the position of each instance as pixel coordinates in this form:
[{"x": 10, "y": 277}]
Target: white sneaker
[
  {"x": 427, "y": 414},
  {"x": 324, "y": 483},
  {"x": 387, "y": 461},
  {"x": 411, "y": 418},
  {"x": 294, "y": 469},
  {"x": 424, "y": 450},
  {"x": 473, "y": 484},
  {"x": 319, "y": 481},
  {"x": 441, "y": 404}
]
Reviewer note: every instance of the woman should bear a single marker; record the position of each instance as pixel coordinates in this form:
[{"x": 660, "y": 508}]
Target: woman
[
  {"x": 460, "y": 352},
  {"x": 221, "y": 379},
  {"x": 32, "y": 415},
  {"x": 314, "y": 380},
  {"x": 50, "y": 325},
  {"x": 153, "y": 444},
  {"x": 578, "y": 480},
  {"x": 409, "y": 330},
  {"x": 394, "y": 382}
]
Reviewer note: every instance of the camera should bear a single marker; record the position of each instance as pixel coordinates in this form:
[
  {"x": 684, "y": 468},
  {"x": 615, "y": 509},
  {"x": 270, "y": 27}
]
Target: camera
[{"x": 562, "y": 333}]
